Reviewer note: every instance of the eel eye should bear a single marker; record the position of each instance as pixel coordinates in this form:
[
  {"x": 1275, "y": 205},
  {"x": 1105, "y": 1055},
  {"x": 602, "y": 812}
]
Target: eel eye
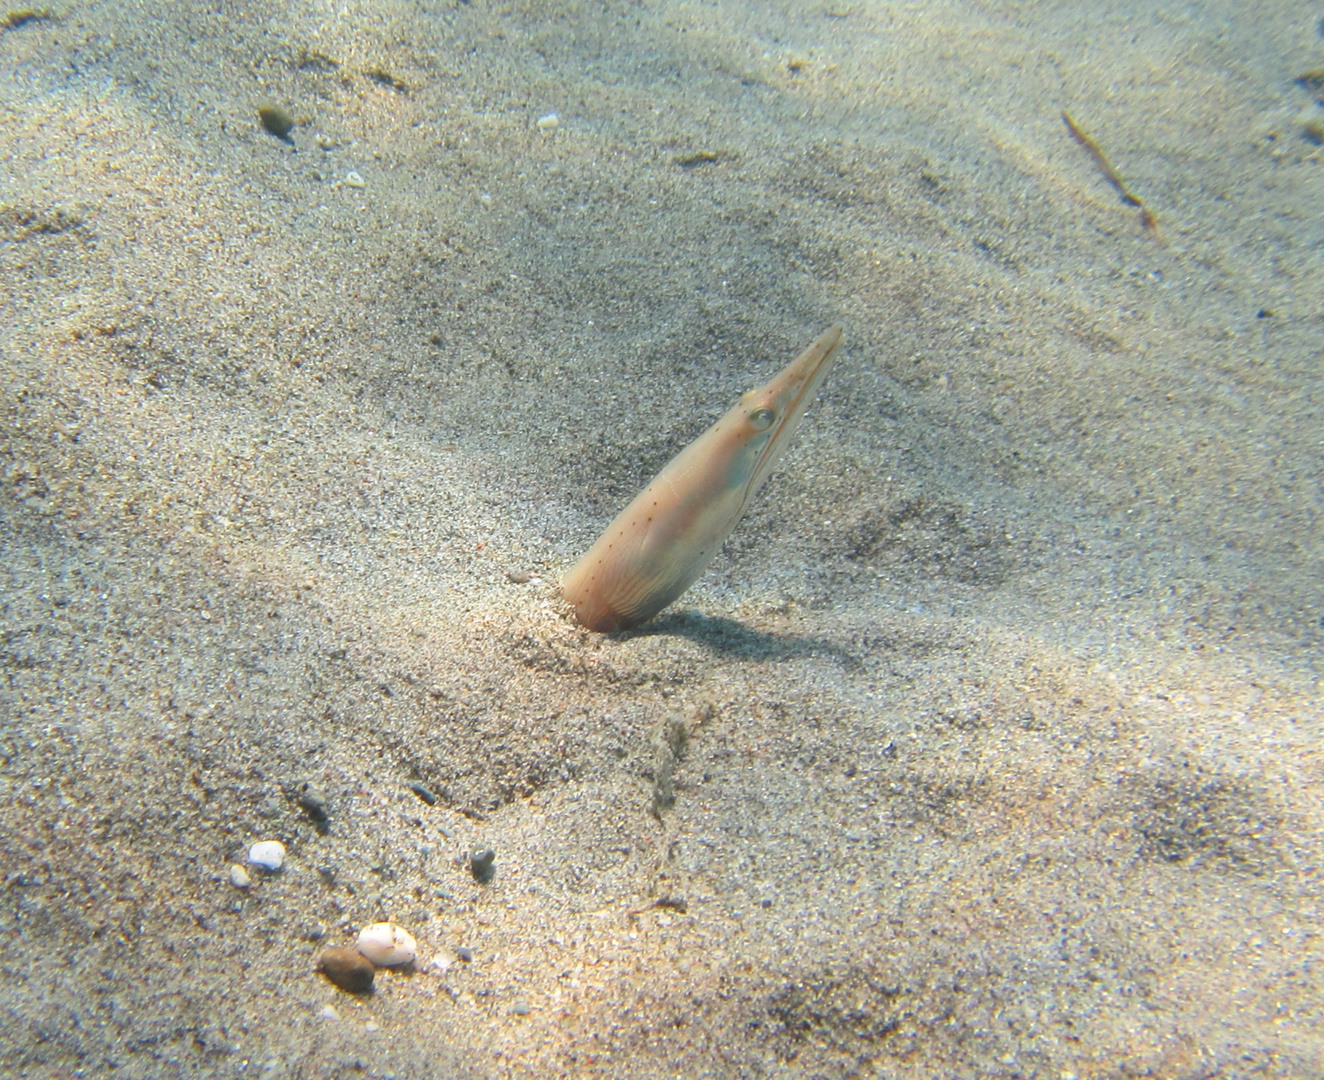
[{"x": 761, "y": 419}]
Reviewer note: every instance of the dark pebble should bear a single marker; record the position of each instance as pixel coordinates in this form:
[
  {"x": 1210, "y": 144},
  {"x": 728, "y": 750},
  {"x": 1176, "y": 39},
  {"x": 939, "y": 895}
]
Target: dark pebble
[
  {"x": 482, "y": 864},
  {"x": 348, "y": 969},
  {"x": 276, "y": 120},
  {"x": 465, "y": 954},
  {"x": 313, "y": 803},
  {"x": 424, "y": 793}
]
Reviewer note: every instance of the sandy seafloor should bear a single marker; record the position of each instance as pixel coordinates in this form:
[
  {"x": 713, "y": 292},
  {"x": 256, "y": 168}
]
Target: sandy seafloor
[{"x": 1003, "y": 703}]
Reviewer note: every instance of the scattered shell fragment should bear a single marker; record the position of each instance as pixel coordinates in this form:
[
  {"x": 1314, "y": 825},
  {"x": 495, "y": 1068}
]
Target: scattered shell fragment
[
  {"x": 387, "y": 945},
  {"x": 547, "y": 124},
  {"x": 354, "y": 180},
  {"x": 276, "y": 120},
  {"x": 268, "y": 854},
  {"x": 239, "y": 877},
  {"x": 349, "y": 970}
]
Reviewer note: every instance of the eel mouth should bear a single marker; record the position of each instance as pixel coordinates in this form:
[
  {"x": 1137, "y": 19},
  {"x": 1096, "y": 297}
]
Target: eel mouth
[{"x": 798, "y": 383}]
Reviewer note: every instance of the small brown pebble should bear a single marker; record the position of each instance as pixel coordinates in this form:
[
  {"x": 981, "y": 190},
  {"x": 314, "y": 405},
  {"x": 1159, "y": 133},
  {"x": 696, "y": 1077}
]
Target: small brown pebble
[
  {"x": 348, "y": 969},
  {"x": 276, "y": 120}
]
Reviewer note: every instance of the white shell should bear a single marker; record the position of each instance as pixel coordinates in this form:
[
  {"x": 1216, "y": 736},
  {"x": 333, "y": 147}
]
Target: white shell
[
  {"x": 387, "y": 945},
  {"x": 239, "y": 877},
  {"x": 268, "y": 854}
]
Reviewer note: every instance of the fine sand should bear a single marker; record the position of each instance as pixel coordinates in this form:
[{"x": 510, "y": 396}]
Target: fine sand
[{"x": 988, "y": 747}]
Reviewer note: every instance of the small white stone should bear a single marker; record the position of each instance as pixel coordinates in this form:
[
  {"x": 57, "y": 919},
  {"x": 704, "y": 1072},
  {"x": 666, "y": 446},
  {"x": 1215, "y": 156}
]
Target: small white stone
[
  {"x": 387, "y": 945},
  {"x": 268, "y": 854},
  {"x": 354, "y": 180},
  {"x": 547, "y": 124},
  {"x": 328, "y": 1013},
  {"x": 372, "y": 1025},
  {"x": 239, "y": 877}
]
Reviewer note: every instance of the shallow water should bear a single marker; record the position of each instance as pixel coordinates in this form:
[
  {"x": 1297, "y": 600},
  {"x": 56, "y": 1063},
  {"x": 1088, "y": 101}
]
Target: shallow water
[{"x": 1000, "y": 709}]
